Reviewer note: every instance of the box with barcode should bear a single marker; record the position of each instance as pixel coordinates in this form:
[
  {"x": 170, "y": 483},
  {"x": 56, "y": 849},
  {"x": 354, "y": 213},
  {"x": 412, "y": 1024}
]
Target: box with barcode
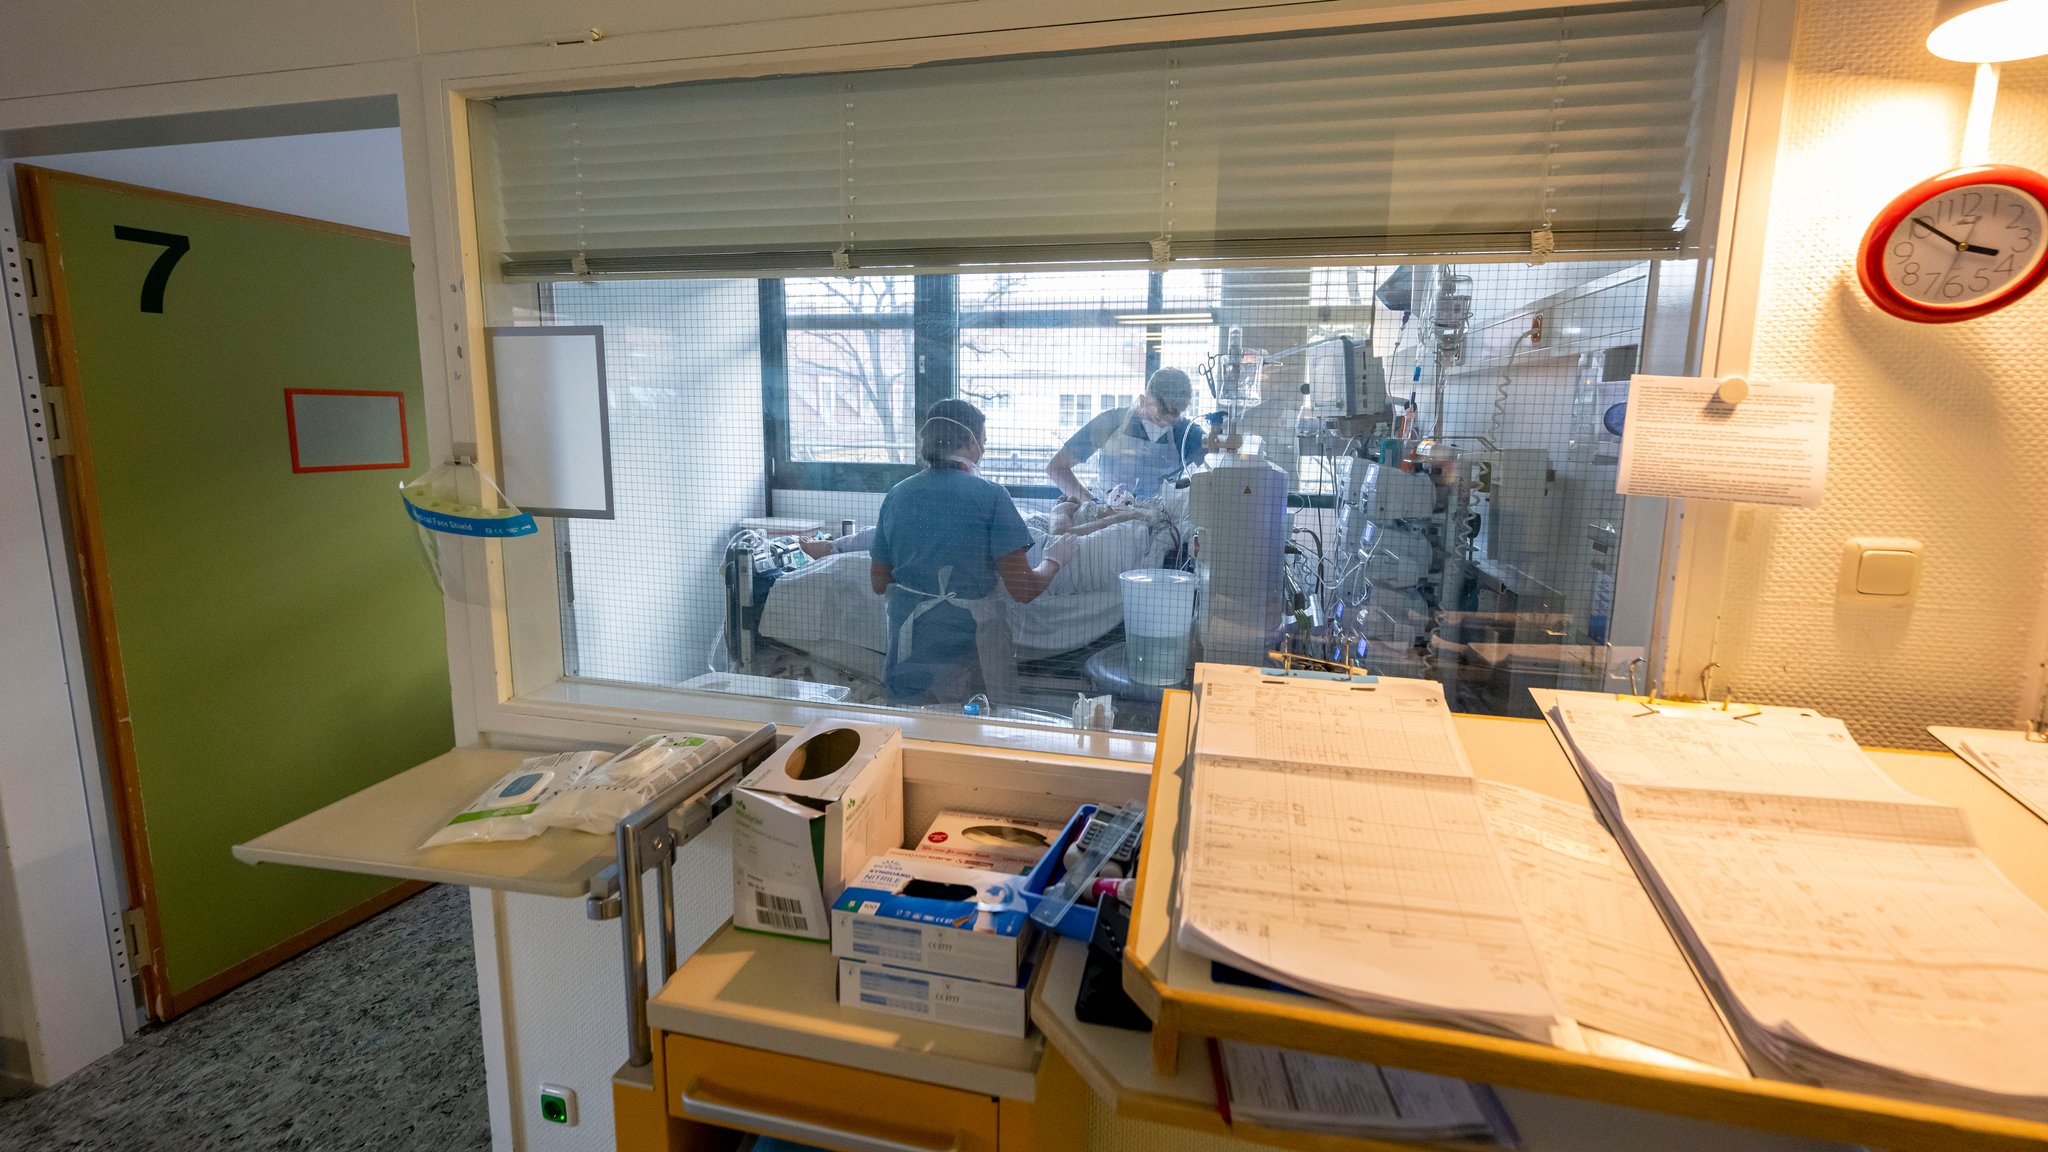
[
  {"x": 953, "y": 1000},
  {"x": 911, "y": 911},
  {"x": 808, "y": 818}
]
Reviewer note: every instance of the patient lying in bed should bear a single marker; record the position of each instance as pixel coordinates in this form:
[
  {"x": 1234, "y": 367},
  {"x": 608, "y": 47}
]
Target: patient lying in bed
[{"x": 831, "y": 599}]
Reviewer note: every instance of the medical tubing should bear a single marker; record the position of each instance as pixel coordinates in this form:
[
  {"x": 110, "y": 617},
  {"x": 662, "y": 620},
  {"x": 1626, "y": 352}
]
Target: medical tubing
[{"x": 1500, "y": 392}]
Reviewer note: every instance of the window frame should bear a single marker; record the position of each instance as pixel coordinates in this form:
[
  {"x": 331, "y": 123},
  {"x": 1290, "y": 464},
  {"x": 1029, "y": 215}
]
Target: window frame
[{"x": 1740, "y": 123}]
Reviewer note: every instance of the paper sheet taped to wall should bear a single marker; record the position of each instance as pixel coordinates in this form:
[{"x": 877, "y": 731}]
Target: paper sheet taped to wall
[{"x": 1680, "y": 439}]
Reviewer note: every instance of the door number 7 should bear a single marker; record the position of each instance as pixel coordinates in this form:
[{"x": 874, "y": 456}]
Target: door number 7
[{"x": 174, "y": 247}]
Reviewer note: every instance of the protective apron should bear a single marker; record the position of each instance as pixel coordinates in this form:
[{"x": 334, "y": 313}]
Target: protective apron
[
  {"x": 1137, "y": 463},
  {"x": 993, "y": 646}
]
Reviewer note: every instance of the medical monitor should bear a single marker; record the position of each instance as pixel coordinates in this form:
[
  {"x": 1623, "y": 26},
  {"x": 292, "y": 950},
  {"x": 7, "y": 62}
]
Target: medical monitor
[{"x": 1347, "y": 383}]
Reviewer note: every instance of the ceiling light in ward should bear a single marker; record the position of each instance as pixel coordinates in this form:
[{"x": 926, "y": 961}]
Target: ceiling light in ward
[
  {"x": 1989, "y": 31},
  {"x": 1149, "y": 318}
]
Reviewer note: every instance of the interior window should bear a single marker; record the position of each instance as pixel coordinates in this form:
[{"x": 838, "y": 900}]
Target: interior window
[{"x": 1291, "y": 335}]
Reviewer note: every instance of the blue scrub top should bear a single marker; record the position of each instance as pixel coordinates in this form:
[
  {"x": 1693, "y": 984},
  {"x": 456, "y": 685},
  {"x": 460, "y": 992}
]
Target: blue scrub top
[{"x": 939, "y": 518}]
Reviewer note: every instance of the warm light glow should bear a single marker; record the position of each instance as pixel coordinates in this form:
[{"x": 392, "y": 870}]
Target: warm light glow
[
  {"x": 1989, "y": 31},
  {"x": 1977, "y": 127}
]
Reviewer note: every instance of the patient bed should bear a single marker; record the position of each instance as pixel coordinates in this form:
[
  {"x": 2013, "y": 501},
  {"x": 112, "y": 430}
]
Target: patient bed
[{"x": 822, "y": 620}]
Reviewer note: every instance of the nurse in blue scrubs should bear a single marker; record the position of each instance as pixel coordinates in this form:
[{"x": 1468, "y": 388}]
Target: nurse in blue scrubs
[{"x": 948, "y": 545}]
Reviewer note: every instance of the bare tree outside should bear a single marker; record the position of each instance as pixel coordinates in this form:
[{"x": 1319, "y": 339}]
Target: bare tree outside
[{"x": 852, "y": 393}]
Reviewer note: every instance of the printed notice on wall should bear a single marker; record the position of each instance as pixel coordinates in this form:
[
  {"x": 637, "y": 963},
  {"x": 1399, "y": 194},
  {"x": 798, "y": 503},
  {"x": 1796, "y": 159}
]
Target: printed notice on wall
[{"x": 1681, "y": 439}]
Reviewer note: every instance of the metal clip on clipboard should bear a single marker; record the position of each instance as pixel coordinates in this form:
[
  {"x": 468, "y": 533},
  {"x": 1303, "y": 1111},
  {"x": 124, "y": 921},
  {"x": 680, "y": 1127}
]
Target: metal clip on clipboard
[
  {"x": 1645, "y": 693},
  {"x": 1312, "y": 668}
]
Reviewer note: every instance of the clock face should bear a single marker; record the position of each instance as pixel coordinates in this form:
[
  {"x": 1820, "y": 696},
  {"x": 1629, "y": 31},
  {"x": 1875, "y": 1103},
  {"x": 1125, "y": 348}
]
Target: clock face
[
  {"x": 1965, "y": 247},
  {"x": 1959, "y": 245}
]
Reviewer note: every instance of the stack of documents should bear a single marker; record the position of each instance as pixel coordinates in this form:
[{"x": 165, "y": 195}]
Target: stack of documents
[
  {"x": 1338, "y": 843},
  {"x": 1855, "y": 934},
  {"x": 1282, "y": 1088},
  {"x": 1613, "y": 966}
]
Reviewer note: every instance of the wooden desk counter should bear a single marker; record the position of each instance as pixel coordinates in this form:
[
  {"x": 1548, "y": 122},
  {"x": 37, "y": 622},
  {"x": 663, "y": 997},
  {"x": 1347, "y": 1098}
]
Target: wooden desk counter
[{"x": 1175, "y": 989}]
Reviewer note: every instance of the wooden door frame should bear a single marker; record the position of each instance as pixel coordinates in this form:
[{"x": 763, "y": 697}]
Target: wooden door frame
[{"x": 87, "y": 546}]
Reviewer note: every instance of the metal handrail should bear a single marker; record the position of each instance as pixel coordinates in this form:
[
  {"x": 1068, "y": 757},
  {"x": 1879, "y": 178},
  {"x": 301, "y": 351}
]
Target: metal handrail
[{"x": 648, "y": 838}]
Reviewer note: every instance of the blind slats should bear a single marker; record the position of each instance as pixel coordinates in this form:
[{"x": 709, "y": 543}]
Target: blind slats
[{"x": 1364, "y": 143}]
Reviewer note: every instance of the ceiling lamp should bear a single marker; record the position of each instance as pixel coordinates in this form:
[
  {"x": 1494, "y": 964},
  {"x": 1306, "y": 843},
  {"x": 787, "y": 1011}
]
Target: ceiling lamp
[{"x": 1989, "y": 31}]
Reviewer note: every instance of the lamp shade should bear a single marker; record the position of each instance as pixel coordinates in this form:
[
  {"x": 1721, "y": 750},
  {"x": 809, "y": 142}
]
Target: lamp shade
[{"x": 1989, "y": 31}]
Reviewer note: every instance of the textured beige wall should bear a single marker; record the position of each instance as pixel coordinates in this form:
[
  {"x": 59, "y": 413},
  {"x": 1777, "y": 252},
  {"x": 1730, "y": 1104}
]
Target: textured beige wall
[{"x": 1940, "y": 431}]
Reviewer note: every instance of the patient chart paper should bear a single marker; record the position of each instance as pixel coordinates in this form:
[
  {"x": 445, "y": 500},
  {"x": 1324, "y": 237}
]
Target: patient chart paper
[
  {"x": 1680, "y": 440},
  {"x": 1859, "y": 936},
  {"x": 1336, "y": 844},
  {"x": 1612, "y": 964}
]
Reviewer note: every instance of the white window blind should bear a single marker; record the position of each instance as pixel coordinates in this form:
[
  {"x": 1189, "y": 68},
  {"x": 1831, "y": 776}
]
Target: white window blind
[{"x": 1449, "y": 138}]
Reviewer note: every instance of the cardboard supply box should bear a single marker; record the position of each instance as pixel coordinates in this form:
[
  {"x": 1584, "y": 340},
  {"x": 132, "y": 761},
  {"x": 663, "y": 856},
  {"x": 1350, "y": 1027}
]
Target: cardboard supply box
[
  {"x": 912, "y": 911},
  {"x": 951, "y": 1000},
  {"x": 810, "y": 817},
  {"x": 993, "y": 843}
]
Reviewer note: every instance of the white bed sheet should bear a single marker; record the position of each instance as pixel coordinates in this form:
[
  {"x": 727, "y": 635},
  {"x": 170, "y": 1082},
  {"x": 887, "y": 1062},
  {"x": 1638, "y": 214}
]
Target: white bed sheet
[{"x": 830, "y": 600}]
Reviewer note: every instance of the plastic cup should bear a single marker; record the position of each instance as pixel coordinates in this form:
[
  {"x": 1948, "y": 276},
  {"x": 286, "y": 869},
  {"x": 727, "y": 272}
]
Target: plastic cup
[{"x": 1159, "y": 611}]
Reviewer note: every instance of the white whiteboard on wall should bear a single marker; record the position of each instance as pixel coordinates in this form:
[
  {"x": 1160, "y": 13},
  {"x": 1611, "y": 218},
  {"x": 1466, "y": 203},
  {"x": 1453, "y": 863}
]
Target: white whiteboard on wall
[{"x": 554, "y": 431}]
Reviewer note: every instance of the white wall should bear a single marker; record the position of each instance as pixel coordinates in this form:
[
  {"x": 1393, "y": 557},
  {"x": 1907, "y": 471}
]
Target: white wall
[
  {"x": 353, "y": 178},
  {"x": 1940, "y": 432}
]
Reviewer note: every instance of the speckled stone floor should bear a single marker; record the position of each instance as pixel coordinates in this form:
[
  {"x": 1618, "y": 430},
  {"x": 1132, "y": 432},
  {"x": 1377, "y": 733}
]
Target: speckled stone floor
[{"x": 369, "y": 1041}]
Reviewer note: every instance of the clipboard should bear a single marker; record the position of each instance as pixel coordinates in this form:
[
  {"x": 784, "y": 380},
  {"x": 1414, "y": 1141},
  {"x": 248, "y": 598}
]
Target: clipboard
[{"x": 1964, "y": 742}]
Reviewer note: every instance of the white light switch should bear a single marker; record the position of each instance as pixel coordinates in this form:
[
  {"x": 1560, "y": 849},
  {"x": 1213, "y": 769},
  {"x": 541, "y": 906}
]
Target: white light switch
[{"x": 1880, "y": 570}]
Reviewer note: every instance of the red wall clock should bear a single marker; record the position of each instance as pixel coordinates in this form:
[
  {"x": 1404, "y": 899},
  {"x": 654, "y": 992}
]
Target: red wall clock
[{"x": 1958, "y": 245}]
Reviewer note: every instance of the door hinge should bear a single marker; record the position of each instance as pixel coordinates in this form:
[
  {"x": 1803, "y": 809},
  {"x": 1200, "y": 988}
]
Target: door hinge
[
  {"x": 135, "y": 939},
  {"x": 55, "y": 434},
  {"x": 35, "y": 279}
]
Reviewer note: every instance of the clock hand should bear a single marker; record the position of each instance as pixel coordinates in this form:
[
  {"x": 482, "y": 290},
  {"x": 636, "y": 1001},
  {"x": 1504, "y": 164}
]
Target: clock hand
[
  {"x": 1924, "y": 222},
  {"x": 1961, "y": 246}
]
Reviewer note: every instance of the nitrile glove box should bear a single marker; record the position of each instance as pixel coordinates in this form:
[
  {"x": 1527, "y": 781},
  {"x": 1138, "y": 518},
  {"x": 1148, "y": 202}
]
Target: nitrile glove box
[
  {"x": 911, "y": 911},
  {"x": 953, "y": 1000},
  {"x": 808, "y": 818}
]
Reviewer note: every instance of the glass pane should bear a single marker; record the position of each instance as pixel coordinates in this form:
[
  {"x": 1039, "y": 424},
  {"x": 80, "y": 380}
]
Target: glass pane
[
  {"x": 1103, "y": 291},
  {"x": 848, "y": 296},
  {"x": 1047, "y": 382},
  {"x": 851, "y": 395},
  {"x": 1444, "y": 508}
]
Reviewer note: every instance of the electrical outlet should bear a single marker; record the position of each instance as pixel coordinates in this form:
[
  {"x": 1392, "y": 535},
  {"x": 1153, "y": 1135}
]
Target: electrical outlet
[{"x": 558, "y": 1105}]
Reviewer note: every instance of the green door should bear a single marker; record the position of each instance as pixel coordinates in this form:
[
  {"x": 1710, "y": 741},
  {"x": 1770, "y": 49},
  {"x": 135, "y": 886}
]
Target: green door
[{"x": 244, "y": 397}]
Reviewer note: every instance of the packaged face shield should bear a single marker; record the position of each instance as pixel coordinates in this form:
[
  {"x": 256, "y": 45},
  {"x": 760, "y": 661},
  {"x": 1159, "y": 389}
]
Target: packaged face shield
[
  {"x": 597, "y": 798},
  {"x": 505, "y": 809},
  {"x": 455, "y": 507}
]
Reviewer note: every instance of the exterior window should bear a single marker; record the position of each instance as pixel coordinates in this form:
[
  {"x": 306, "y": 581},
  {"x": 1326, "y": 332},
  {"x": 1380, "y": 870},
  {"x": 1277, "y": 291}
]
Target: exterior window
[{"x": 851, "y": 397}]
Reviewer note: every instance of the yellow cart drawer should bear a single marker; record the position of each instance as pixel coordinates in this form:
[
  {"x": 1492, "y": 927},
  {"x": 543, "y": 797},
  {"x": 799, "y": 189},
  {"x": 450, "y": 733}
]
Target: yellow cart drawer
[{"x": 827, "y": 1105}]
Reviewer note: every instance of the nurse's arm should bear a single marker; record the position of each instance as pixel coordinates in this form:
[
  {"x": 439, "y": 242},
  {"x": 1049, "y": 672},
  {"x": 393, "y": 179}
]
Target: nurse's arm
[
  {"x": 880, "y": 576},
  {"x": 1024, "y": 580},
  {"x": 1061, "y": 470}
]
